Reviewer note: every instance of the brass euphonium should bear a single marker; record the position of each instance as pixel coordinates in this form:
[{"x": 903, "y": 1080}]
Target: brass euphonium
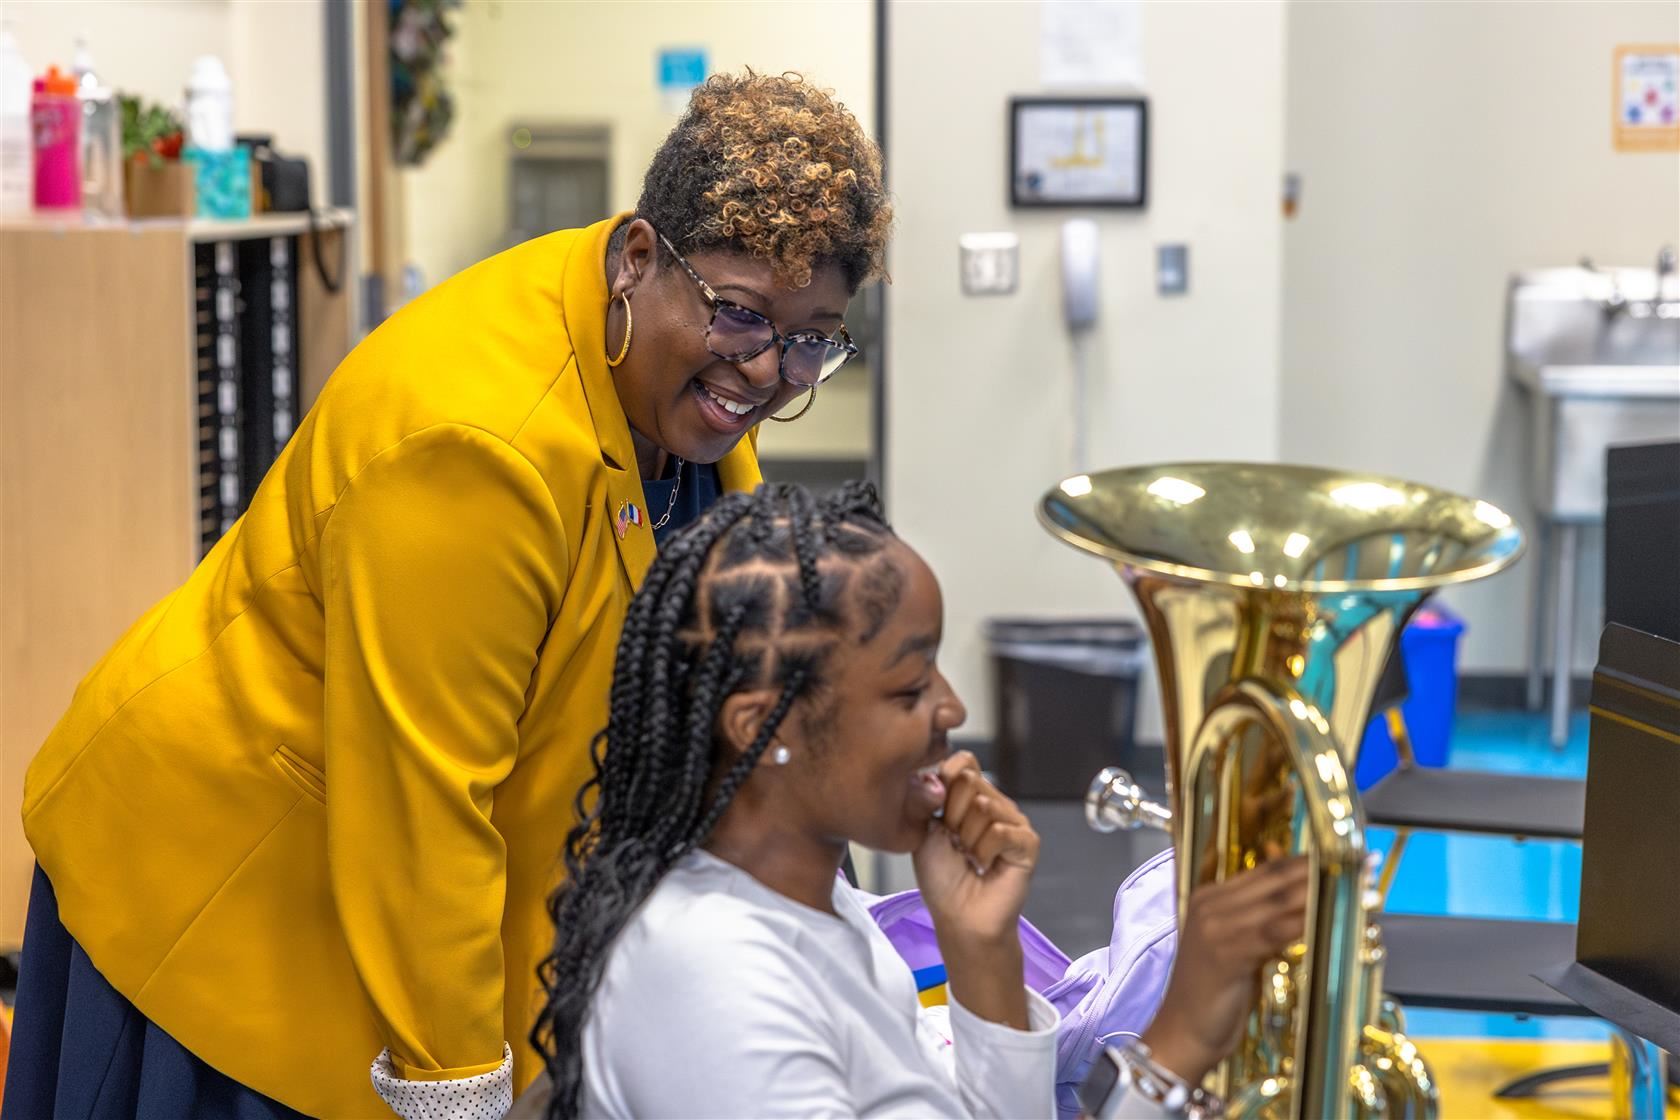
[{"x": 1274, "y": 596}]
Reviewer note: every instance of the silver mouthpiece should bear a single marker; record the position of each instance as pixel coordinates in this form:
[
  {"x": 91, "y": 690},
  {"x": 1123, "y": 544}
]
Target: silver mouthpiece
[{"x": 1116, "y": 803}]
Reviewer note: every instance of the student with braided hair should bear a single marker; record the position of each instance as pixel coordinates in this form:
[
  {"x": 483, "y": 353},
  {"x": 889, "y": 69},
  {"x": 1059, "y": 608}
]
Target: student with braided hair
[{"x": 776, "y": 697}]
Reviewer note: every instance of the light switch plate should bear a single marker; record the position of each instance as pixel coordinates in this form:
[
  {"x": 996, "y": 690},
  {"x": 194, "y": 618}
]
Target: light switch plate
[
  {"x": 1172, "y": 269},
  {"x": 991, "y": 263}
]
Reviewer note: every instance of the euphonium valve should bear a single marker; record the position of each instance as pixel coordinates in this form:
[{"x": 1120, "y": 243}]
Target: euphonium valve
[{"x": 1274, "y": 596}]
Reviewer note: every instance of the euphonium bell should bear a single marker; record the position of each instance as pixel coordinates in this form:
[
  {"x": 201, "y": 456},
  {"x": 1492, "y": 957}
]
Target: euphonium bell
[{"x": 1274, "y": 596}]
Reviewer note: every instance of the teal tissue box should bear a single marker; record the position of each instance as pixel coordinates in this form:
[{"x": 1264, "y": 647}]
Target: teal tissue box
[{"x": 222, "y": 181}]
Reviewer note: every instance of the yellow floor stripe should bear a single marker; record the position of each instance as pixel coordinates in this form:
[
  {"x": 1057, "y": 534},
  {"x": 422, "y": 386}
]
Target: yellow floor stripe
[{"x": 1470, "y": 1069}]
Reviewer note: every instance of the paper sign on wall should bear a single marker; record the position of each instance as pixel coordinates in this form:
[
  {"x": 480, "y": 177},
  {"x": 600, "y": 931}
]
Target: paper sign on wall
[
  {"x": 680, "y": 70},
  {"x": 1090, "y": 43},
  {"x": 1647, "y": 118}
]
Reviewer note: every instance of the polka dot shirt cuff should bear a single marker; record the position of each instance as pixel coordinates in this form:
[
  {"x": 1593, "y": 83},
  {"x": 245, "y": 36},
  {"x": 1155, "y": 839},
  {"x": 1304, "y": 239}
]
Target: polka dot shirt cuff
[{"x": 487, "y": 1096}]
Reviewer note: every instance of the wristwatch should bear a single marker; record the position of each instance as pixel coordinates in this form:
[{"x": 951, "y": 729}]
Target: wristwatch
[{"x": 1130, "y": 1068}]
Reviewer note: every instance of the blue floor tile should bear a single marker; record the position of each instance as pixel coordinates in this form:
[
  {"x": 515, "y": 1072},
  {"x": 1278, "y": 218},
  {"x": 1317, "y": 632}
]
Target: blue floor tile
[
  {"x": 1484, "y": 876},
  {"x": 1429, "y": 1022},
  {"x": 1517, "y": 743}
]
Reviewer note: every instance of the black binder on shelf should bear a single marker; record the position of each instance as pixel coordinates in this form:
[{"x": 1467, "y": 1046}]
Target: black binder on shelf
[
  {"x": 269, "y": 343},
  {"x": 247, "y": 346}
]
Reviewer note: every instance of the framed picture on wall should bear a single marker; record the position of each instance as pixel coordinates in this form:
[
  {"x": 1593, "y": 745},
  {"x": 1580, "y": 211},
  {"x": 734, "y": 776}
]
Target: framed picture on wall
[{"x": 1079, "y": 151}]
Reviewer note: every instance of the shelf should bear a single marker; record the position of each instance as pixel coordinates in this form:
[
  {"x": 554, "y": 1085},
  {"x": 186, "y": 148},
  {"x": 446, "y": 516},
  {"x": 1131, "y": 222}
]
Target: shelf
[
  {"x": 1628, "y": 382},
  {"x": 195, "y": 229},
  {"x": 105, "y": 452}
]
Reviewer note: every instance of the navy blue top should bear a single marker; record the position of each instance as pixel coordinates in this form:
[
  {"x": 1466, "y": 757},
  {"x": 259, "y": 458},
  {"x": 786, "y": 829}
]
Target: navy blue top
[{"x": 697, "y": 488}]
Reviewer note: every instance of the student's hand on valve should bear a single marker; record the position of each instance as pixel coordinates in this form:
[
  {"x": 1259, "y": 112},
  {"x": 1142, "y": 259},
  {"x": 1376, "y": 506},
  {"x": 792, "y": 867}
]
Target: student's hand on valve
[{"x": 1229, "y": 930}]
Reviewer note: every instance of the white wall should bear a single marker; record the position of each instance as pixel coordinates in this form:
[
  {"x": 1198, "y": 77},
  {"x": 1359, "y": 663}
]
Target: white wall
[
  {"x": 145, "y": 47},
  {"x": 1443, "y": 147},
  {"x": 980, "y": 396},
  {"x": 273, "y": 49},
  {"x": 278, "y": 62}
]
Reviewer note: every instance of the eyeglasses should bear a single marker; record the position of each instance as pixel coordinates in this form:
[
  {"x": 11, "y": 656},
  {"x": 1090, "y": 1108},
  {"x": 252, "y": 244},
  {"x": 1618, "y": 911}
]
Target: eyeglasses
[{"x": 739, "y": 334}]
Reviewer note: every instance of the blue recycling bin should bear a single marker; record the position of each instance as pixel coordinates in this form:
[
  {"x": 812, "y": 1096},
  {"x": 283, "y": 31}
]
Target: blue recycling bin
[{"x": 1429, "y": 648}]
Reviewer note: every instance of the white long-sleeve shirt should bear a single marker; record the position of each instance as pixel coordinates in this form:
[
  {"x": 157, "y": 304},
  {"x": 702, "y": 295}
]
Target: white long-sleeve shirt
[{"x": 723, "y": 998}]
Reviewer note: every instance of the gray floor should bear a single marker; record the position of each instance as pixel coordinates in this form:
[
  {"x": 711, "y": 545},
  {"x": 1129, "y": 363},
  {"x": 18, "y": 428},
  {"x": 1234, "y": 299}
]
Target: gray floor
[{"x": 1078, "y": 872}]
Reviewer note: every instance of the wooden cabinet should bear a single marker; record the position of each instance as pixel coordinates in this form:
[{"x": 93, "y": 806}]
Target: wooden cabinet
[{"x": 114, "y": 393}]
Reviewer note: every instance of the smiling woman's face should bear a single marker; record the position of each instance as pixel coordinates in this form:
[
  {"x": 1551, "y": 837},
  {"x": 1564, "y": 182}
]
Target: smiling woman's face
[{"x": 678, "y": 394}]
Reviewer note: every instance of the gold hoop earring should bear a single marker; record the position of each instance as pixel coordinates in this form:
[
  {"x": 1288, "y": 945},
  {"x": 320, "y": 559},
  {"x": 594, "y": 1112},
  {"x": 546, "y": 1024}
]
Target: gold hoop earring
[
  {"x": 629, "y": 326},
  {"x": 809, "y": 401}
]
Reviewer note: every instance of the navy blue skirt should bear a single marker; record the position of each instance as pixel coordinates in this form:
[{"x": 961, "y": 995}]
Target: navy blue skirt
[{"x": 80, "y": 1050}]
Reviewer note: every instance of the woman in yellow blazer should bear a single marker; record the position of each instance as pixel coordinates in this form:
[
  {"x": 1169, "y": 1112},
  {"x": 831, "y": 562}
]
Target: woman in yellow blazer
[{"x": 304, "y": 815}]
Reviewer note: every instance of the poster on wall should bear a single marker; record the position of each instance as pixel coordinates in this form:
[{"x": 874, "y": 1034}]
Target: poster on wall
[
  {"x": 1644, "y": 98},
  {"x": 1091, "y": 43}
]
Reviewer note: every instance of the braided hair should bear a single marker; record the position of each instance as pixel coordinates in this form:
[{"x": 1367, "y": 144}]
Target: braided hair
[{"x": 755, "y": 595}]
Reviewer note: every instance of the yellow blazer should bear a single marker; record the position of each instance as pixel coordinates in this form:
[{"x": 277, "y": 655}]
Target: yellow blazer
[{"x": 311, "y": 804}]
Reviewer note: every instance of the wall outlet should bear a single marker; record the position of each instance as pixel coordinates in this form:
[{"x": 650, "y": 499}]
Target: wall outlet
[{"x": 991, "y": 263}]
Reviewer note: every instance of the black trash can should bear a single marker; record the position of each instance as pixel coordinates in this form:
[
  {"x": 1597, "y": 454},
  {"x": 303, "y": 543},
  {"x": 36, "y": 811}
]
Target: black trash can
[{"x": 1064, "y": 702}]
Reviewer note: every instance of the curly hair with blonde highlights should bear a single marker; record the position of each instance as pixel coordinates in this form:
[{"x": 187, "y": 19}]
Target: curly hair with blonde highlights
[{"x": 776, "y": 168}]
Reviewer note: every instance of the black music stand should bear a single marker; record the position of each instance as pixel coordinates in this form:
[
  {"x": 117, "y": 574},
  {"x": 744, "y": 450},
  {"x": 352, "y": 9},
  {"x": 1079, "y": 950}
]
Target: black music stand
[
  {"x": 1482, "y": 964},
  {"x": 1490, "y": 964},
  {"x": 1437, "y": 800},
  {"x": 1626, "y": 966}
]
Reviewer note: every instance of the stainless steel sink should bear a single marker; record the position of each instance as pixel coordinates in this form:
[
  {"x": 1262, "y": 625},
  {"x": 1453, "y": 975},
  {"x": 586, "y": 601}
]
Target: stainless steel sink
[
  {"x": 1598, "y": 352},
  {"x": 1577, "y": 412}
]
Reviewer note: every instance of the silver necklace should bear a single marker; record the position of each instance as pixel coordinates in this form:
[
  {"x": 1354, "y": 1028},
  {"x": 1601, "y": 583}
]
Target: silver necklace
[{"x": 663, "y": 521}]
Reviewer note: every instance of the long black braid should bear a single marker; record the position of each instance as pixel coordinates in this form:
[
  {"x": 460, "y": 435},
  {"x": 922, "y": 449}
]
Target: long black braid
[{"x": 755, "y": 594}]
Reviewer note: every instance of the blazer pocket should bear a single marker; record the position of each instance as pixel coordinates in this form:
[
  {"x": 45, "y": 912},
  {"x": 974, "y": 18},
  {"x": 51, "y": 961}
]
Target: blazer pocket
[{"x": 302, "y": 773}]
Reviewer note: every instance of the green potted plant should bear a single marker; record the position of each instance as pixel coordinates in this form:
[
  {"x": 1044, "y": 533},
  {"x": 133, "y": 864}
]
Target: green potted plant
[{"x": 158, "y": 185}]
